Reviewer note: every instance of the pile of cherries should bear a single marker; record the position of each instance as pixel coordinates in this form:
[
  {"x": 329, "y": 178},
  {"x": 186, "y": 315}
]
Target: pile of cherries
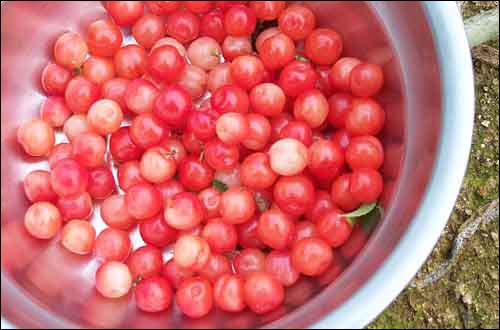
[{"x": 239, "y": 148}]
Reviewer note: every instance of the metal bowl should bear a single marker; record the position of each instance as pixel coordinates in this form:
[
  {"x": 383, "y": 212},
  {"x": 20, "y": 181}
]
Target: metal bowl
[{"x": 428, "y": 99}]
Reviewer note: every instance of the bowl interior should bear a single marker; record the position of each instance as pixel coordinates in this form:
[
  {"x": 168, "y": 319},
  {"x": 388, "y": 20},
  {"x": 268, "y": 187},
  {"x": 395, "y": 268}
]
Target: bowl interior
[{"x": 45, "y": 286}]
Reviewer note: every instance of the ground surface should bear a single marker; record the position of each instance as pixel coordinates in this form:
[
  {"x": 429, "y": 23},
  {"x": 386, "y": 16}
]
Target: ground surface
[{"x": 467, "y": 295}]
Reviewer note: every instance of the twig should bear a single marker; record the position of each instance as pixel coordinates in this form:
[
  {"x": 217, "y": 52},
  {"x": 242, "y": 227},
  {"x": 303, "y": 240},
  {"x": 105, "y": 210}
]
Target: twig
[{"x": 471, "y": 227}]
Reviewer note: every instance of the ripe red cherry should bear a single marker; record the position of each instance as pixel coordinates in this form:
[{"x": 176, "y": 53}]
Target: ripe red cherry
[
  {"x": 191, "y": 252},
  {"x": 78, "y": 206},
  {"x": 239, "y": 21},
  {"x": 155, "y": 231},
  {"x": 210, "y": 198},
  {"x": 175, "y": 274},
  {"x": 70, "y": 50},
  {"x": 264, "y": 35},
  {"x": 322, "y": 203},
  {"x": 113, "y": 279},
  {"x": 247, "y": 71},
  {"x": 173, "y": 106},
  {"x": 112, "y": 245},
  {"x": 194, "y": 174},
  {"x": 247, "y": 235},
  {"x": 166, "y": 63},
  {"x": 277, "y": 51},
  {"x": 294, "y": 194},
  {"x": 334, "y": 228},
  {"x": 104, "y": 38},
  {"x": 148, "y": 30},
  {"x": 147, "y": 130},
  {"x": 237, "y": 205},
  {"x": 259, "y": 132},
  {"x": 54, "y": 111},
  {"x": 323, "y": 46},
  {"x": 232, "y": 47},
  {"x": 279, "y": 264},
  {"x": 230, "y": 98},
  {"x": 42, "y": 220},
  {"x": 340, "y": 74},
  {"x": 125, "y": 13},
  {"x": 341, "y": 193},
  {"x": 365, "y": 152},
  {"x": 89, "y": 149},
  {"x": 205, "y": 52},
  {"x": 153, "y": 294},
  {"x": 366, "y": 79},
  {"x": 305, "y": 229},
  {"x": 298, "y": 130},
  {"x": 202, "y": 123},
  {"x": 60, "y": 151},
  {"x": 129, "y": 174},
  {"x": 114, "y": 89},
  {"x": 169, "y": 189},
  {"x": 130, "y": 62},
  {"x": 163, "y": 7},
  {"x": 221, "y": 236},
  {"x": 228, "y": 293},
  {"x": 340, "y": 106},
  {"x": 311, "y": 256},
  {"x": 76, "y": 125},
  {"x": 68, "y": 177},
  {"x": 37, "y": 187},
  {"x": 199, "y": 7},
  {"x": 365, "y": 118},
  {"x": 297, "y": 77},
  {"x": 297, "y": 22},
  {"x": 183, "y": 26},
  {"x": 323, "y": 83},
  {"x": 195, "y": 297},
  {"x": 218, "y": 265},
  {"x": 267, "y": 99},
  {"x": 98, "y": 69},
  {"x": 157, "y": 165},
  {"x": 276, "y": 229},
  {"x": 145, "y": 262},
  {"x": 221, "y": 156},
  {"x": 105, "y": 116},
  {"x": 311, "y": 107},
  {"x": 232, "y": 128},
  {"x": 342, "y": 138},
  {"x": 263, "y": 293},
  {"x": 366, "y": 185},
  {"x": 121, "y": 146},
  {"x": 143, "y": 201},
  {"x": 288, "y": 157},
  {"x": 327, "y": 158},
  {"x": 248, "y": 261},
  {"x": 256, "y": 171},
  {"x": 140, "y": 96},
  {"x": 194, "y": 81},
  {"x": 212, "y": 25},
  {"x": 114, "y": 213},
  {"x": 175, "y": 149},
  {"x": 184, "y": 211},
  {"x": 267, "y": 10},
  {"x": 54, "y": 79},
  {"x": 101, "y": 182},
  {"x": 78, "y": 237},
  {"x": 81, "y": 94}
]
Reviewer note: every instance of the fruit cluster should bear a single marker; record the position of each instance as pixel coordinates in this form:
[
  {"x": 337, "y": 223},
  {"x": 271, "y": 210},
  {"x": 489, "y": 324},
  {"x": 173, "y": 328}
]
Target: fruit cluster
[{"x": 241, "y": 138}]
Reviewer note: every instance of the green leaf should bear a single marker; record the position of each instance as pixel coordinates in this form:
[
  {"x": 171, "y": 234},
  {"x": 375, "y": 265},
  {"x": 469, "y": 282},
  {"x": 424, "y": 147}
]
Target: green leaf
[
  {"x": 361, "y": 211},
  {"x": 219, "y": 185},
  {"x": 301, "y": 58}
]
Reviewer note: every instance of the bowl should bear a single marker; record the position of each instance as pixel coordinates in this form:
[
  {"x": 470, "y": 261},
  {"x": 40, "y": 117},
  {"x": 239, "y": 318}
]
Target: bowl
[{"x": 428, "y": 99}]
